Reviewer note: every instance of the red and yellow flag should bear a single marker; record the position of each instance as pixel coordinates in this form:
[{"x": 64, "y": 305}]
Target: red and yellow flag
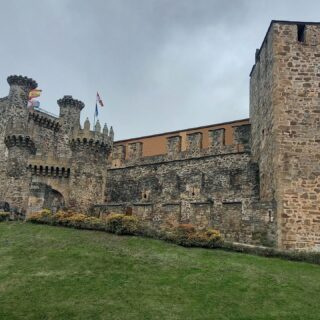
[{"x": 34, "y": 93}]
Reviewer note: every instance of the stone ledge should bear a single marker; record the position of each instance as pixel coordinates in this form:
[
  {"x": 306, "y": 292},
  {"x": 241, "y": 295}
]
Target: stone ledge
[{"x": 158, "y": 160}]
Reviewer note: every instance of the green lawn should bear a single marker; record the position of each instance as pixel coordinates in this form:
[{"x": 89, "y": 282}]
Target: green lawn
[{"x": 58, "y": 273}]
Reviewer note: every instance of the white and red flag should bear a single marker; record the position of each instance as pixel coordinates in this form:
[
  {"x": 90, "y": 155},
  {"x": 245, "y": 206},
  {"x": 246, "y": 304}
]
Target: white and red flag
[{"x": 99, "y": 100}]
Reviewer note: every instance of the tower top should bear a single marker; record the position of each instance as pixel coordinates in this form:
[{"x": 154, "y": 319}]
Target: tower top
[
  {"x": 22, "y": 81},
  {"x": 69, "y": 101}
]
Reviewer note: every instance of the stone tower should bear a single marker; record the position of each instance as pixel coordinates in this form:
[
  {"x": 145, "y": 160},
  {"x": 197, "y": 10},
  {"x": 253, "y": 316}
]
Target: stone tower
[
  {"x": 90, "y": 151},
  {"x": 285, "y": 125},
  {"x": 16, "y": 144},
  {"x": 48, "y": 161}
]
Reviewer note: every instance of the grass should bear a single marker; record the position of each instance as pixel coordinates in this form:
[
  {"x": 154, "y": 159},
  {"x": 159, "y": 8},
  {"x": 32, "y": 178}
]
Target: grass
[{"x": 58, "y": 273}]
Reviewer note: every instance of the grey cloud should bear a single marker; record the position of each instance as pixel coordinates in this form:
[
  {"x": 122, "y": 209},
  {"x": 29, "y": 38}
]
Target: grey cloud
[{"x": 159, "y": 65}]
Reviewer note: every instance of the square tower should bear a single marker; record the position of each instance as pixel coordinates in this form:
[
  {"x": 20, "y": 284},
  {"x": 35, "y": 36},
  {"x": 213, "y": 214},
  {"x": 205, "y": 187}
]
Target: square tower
[{"x": 285, "y": 129}]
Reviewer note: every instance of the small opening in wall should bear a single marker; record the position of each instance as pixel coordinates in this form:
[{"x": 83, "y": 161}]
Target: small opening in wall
[
  {"x": 145, "y": 196},
  {"x": 193, "y": 193},
  {"x": 270, "y": 215},
  {"x": 301, "y": 28}
]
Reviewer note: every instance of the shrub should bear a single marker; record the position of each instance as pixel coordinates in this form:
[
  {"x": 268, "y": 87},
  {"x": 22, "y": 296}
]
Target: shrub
[
  {"x": 43, "y": 216},
  {"x": 186, "y": 229},
  {"x": 213, "y": 234},
  {"x": 187, "y": 235},
  {"x": 67, "y": 219},
  {"x": 94, "y": 223},
  {"x": 121, "y": 224},
  {"x": 4, "y": 216}
]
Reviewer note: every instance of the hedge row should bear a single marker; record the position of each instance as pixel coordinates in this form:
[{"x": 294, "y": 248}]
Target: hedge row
[
  {"x": 122, "y": 224},
  {"x": 184, "y": 234}
]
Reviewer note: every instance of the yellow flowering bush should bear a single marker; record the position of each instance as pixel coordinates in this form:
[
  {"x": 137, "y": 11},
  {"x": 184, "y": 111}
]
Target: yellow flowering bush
[
  {"x": 42, "y": 216},
  {"x": 121, "y": 224},
  {"x": 213, "y": 234},
  {"x": 183, "y": 234},
  {"x": 187, "y": 235},
  {"x": 4, "y": 216}
]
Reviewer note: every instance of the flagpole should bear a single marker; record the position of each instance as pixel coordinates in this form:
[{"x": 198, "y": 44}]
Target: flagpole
[
  {"x": 95, "y": 114},
  {"x": 94, "y": 117}
]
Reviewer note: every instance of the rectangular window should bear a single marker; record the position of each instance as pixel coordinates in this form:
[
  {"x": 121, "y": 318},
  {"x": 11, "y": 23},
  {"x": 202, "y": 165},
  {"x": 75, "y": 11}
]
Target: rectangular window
[{"x": 301, "y": 32}]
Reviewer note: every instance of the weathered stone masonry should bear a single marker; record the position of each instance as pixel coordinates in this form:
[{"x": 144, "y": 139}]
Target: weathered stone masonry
[
  {"x": 284, "y": 112},
  {"x": 257, "y": 183},
  {"x": 49, "y": 161}
]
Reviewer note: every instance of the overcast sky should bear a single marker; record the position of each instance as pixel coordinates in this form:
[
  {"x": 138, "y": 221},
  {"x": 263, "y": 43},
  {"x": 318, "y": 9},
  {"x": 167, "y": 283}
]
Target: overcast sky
[{"x": 159, "y": 65}]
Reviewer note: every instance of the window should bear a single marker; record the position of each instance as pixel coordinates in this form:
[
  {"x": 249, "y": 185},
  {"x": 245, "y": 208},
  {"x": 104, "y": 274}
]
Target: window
[{"x": 301, "y": 32}]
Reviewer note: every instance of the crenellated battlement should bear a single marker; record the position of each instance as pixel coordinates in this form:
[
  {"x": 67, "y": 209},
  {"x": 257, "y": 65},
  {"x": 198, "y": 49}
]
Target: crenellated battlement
[
  {"x": 44, "y": 121},
  {"x": 68, "y": 101},
  {"x": 22, "y": 81},
  {"x": 101, "y": 146},
  {"x": 49, "y": 171},
  {"x": 133, "y": 153},
  {"x": 95, "y": 140},
  {"x": 20, "y": 141}
]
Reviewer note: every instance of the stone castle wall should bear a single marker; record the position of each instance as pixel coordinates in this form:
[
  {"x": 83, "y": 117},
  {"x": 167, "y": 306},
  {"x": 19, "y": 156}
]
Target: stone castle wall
[{"x": 213, "y": 187}]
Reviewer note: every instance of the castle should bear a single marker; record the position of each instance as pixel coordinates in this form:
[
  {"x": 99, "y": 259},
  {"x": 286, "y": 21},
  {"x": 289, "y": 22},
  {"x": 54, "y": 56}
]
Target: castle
[{"x": 257, "y": 180}]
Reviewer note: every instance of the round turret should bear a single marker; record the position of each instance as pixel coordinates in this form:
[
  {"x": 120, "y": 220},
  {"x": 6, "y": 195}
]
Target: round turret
[
  {"x": 70, "y": 110},
  {"x": 22, "y": 81},
  {"x": 68, "y": 101}
]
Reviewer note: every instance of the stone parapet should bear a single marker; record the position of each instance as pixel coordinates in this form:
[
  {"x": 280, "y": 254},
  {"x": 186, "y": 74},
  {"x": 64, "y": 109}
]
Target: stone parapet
[
  {"x": 92, "y": 140},
  {"x": 135, "y": 151},
  {"x": 44, "y": 121},
  {"x": 241, "y": 135},
  {"x": 49, "y": 160},
  {"x": 91, "y": 135},
  {"x": 68, "y": 101},
  {"x": 174, "y": 152},
  {"x": 22, "y": 81},
  {"x": 49, "y": 171},
  {"x": 119, "y": 152},
  {"x": 91, "y": 145},
  {"x": 20, "y": 141},
  {"x": 194, "y": 142},
  {"x": 217, "y": 138},
  {"x": 173, "y": 145},
  {"x": 181, "y": 156}
]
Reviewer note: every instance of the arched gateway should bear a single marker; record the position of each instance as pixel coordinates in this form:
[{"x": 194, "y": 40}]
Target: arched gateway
[{"x": 43, "y": 196}]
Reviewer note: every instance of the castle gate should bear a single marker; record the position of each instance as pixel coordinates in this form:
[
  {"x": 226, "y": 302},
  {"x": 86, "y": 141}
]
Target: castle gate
[{"x": 43, "y": 196}]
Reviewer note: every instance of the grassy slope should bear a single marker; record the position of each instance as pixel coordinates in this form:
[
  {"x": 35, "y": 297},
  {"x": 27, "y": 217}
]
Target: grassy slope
[{"x": 56, "y": 273}]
